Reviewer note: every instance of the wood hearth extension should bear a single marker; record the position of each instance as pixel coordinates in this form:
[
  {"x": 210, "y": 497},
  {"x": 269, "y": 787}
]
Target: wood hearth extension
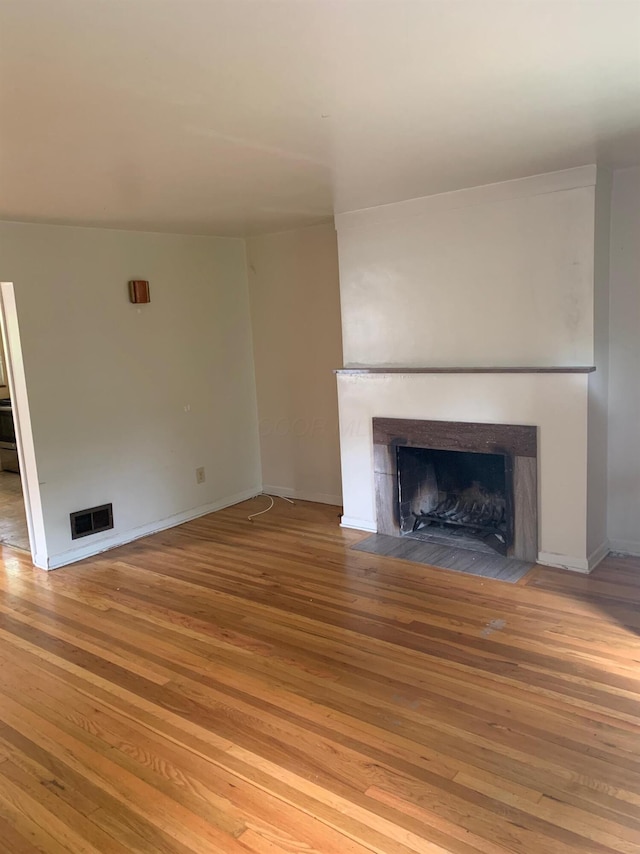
[{"x": 519, "y": 442}]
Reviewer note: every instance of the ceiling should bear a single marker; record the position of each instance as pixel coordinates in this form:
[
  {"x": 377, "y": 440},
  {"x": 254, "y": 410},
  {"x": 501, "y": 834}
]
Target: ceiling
[{"x": 235, "y": 117}]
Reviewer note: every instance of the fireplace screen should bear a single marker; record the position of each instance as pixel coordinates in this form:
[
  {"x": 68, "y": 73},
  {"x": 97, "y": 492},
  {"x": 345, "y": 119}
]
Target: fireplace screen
[{"x": 456, "y": 497}]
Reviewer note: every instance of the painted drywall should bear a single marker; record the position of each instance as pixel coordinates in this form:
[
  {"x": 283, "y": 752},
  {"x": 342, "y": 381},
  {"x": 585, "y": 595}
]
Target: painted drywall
[
  {"x": 597, "y": 538},
  {"x": 236, "y": 116},
  {"x": 295, "y": 309},
  {"x": 126, "y": 401},
  {"x": 624, "y": 382},
  {"x": 556, "y": 403},
  {"x": 497, "y": 275}
]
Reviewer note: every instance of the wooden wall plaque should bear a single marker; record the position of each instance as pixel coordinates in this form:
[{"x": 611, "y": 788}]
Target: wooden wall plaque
[{"x": 139, "y": 291}]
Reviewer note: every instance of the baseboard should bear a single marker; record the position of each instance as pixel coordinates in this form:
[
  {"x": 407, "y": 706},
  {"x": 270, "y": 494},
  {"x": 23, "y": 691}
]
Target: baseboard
[
  {"x": 90, "y": 550},
  {"x": 358, "y": 524},
  {"x": 625, "y": 547},
  {"x": 40, "y": 561},
  {"x": 599, "y": 555},
  {"x": 575, "y": 564},
  {"x": 301, "y": 495}
]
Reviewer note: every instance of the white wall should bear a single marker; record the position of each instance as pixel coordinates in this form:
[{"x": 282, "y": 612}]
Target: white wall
[
  {"x": 497, "y": 275},
  {"x": 624, "y": 376},
  {"x": 108, "y": 382},
  {"x": 295, "y": 307},
  {"x": 598, "y": 416}
]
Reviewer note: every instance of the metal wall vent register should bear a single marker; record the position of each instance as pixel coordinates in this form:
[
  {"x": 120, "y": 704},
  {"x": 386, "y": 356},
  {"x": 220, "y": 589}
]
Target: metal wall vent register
[{"x": 91, "y": 521}]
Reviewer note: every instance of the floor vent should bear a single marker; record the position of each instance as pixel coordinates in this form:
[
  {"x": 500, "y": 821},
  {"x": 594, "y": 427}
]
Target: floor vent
[{"x": 92, "y": 521}]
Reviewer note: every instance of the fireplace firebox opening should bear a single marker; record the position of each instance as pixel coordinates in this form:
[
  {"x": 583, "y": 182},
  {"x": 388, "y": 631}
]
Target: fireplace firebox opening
[
  {"x": 456, "y": 497},
  {"x": 461, "y": 483}
]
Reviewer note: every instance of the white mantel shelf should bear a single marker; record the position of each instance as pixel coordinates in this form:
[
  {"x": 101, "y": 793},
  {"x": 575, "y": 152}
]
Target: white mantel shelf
[{"x": 571, "y": 369}]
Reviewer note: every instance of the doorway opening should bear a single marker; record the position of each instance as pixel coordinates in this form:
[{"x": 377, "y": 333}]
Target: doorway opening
[
  {"x": 21, "y": 518},
  {"x": 13, "y": 517}
]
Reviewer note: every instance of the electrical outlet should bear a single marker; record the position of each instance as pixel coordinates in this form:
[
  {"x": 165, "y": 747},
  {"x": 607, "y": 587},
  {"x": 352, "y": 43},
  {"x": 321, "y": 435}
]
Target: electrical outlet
[{"x": 200, "y": 478}]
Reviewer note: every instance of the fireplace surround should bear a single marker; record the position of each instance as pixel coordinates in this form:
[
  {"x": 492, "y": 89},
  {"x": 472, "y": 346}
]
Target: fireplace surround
[
  {"x": 477, "y": 481},
  {"x": 571, "y": 491}
]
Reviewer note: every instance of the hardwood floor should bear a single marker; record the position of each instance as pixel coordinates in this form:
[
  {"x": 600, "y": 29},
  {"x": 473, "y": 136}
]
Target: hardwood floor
[
  {"x": 261, "y": 688},
  {"x": 13, "y": 521}
]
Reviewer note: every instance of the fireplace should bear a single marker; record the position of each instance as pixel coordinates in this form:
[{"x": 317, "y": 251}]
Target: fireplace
[{"x": 462, "y": 484}]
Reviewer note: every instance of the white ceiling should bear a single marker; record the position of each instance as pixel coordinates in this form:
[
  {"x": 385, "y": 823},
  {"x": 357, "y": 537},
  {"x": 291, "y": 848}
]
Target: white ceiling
[{"x": 239, "y": 116}]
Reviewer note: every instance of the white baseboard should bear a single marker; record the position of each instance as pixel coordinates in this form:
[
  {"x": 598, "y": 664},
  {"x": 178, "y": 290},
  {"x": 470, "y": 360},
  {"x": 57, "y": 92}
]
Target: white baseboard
[
  {"x": 120, "y": 539},
  {"x": 575, "y": 564},
  {"x": 599, "y": 555},
  {"x": 301, "y": 495},
  {"x": 625, "y": 547},
  {"x": 39, "y": 560},
  {"x": 358, "y": 524}
]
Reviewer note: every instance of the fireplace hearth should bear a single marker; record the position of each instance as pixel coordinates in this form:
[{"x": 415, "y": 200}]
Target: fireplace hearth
[{"x": 458, "y": 483}]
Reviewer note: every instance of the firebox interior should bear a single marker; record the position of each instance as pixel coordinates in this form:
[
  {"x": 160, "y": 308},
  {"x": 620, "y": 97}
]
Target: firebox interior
[{"x": 456, "y": 495}]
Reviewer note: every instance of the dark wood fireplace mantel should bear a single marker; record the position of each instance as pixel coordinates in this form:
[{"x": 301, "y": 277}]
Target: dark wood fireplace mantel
[{"x": 552, "y": 369}]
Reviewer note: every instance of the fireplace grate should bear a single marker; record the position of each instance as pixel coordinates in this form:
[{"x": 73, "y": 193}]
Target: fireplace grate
[
  {"x": 455, "y": 511},
  {"x": 486, "y": 520}
]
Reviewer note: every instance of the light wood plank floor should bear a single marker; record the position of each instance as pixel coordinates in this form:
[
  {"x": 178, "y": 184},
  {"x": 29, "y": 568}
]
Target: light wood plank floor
[
  {"x": 13, "y": 521},
  {"x": 261, "y": 688}
]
